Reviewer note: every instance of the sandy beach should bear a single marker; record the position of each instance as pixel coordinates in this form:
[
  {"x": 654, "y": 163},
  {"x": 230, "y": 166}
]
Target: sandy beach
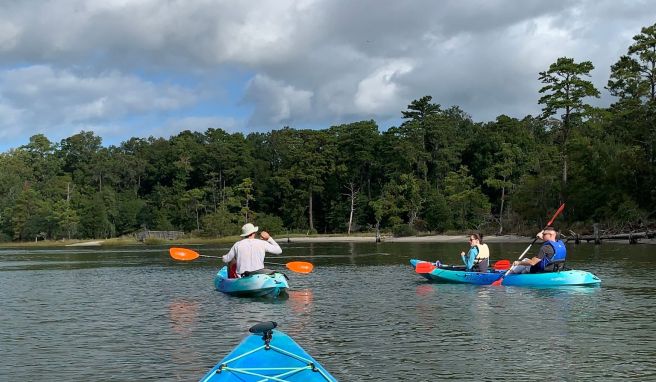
[
  {"x": 409, "y": 239},
  {"x": 430, "y": 239},
  {"x": 94, "y": 243}
]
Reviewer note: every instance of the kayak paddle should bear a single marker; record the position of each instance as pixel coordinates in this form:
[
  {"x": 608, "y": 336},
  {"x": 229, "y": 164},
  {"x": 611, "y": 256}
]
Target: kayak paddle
[
  {"x": 185, "y": 254},
  {"x": 560, "y": 209}
]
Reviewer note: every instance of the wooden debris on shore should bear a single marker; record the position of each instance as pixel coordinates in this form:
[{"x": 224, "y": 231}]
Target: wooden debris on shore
[
  {"x": 166, "y": 235},
  {"x": 597, "y": 236}
]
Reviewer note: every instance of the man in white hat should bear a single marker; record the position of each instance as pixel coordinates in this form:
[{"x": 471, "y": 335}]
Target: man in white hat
[{"x": 248, "y": 253}]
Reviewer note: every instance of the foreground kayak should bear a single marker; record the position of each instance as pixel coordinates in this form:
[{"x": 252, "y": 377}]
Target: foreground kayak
[
  {"x": 268, "y": 355},
  {"x": 255, "y": 285},
  {"x": 447, "y": 274}
]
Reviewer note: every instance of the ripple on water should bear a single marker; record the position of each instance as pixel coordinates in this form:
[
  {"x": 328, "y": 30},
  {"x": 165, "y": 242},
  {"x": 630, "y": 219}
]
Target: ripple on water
[{"x": 363, "y": 313}]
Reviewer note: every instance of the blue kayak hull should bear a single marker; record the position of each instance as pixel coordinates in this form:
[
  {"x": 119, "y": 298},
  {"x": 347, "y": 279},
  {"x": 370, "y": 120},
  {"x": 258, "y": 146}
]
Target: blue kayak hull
[
  {"x": 548, "y": 279},
  {"x": 257, "y": 285},
  {"x": 285, "y": 360}
]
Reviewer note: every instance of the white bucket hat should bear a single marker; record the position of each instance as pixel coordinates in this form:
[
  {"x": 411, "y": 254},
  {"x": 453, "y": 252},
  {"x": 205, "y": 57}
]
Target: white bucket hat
[{"x": 248, "y": 229}]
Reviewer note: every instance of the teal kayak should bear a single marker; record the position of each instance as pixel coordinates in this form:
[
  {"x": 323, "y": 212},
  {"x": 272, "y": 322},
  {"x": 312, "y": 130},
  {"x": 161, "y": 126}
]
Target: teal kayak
[
  {"x": 268, "y": 355},
  {"x": 269, "y": 284},
  {"x": 449, "y": 274}
]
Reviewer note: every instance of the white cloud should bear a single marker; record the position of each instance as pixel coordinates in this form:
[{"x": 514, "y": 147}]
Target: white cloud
[
  {"x": 380, "y": 91},
  {"x": 40, "y": 97},
  {"x": 313, "y": 62},
  {"x": 277, "y": 103}
]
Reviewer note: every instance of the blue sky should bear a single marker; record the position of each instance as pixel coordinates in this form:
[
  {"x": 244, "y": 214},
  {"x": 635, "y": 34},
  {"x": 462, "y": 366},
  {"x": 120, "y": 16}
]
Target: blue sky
[{"x": 154, "y": 68}]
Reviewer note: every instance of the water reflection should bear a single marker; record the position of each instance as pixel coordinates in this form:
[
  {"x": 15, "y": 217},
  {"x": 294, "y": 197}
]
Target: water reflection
[
  {"x": 300, "y": 300},
  {"x": 183, "y": 314}
]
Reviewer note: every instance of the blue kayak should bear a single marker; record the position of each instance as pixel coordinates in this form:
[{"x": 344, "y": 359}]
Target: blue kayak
[
  {"x": 270, "y": 284},
  {"x": 268, "y": 355},
  {"x": 449, "y": 274}
]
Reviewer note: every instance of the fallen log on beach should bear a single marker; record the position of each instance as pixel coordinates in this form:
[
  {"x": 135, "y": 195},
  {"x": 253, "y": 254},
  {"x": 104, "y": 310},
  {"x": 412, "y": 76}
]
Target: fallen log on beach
[{"x": 597, "y": 237}]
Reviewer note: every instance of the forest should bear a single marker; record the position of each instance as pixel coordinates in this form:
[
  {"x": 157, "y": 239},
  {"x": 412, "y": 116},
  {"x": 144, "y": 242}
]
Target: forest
[{"x": 438, "y": 171}]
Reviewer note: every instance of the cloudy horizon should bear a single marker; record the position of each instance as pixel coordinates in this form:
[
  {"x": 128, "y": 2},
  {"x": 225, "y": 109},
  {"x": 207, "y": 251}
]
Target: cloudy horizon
[{"x": 144, "y": 68}]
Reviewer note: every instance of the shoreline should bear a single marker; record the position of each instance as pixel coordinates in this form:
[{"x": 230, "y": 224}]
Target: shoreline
[
  {"x": 407, "y": 239},
  {"x": 284, "y": 239}
]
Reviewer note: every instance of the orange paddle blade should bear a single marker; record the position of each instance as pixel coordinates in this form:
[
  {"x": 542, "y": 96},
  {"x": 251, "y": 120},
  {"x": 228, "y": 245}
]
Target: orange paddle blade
[
  {"x": 498, "y": 282},
  {"x": 300, "y": 266},
  {"x": 502, "y": 265},
  {"x": 183, "y": 254},
  {"x": 424, "y": 267}
]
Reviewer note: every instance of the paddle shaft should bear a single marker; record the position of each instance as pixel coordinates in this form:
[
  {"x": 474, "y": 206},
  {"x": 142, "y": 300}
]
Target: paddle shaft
[
  {"x": 267, "y": 262},
  {"x": 213, "y": 257},
  {"x": 219, "y": 257}
]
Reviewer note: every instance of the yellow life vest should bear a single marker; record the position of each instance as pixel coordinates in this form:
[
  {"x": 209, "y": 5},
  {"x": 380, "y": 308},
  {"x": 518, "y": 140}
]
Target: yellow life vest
[{"x": 483, "y": 252}]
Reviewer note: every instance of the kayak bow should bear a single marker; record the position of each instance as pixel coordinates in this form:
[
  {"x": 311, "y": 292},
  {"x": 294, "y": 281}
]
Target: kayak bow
[{"x": 268, "y": 355}]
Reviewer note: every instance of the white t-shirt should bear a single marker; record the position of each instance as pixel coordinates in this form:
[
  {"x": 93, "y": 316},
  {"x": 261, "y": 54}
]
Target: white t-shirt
[{"x": 250, "y": 253}]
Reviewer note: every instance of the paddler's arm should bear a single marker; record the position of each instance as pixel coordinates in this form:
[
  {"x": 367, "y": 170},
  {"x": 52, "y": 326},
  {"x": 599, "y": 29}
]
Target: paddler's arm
[
  {"x": 230, "y": 255},
  {"x": 532, "y": 261},
  {"x": 471, "y": 256},
  {"x": 270, "y": 246}
]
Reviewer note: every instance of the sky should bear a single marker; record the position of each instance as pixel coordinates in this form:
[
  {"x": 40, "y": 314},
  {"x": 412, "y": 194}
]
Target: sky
[{"x": 146, "y": 68}]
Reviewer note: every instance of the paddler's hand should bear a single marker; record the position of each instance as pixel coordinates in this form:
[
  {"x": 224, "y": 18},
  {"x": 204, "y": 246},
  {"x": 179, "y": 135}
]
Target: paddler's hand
[
  {"x": 462, "y": 253},
  {"x": 265, "y": 235}
]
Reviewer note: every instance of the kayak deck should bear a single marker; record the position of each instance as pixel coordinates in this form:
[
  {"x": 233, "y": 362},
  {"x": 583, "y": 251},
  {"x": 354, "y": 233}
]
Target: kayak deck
[
  {"x": 268, "y": 355},
  {"x": 444, "y": 274},
  {"x": 255, "y": 285}
]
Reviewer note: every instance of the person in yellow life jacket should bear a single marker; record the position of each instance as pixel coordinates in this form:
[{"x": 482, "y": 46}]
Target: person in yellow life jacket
[{"x": 478, "y": 256}]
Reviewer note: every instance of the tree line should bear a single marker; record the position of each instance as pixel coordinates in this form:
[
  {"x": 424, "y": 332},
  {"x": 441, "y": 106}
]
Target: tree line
[{"x": 437, "y": 171}]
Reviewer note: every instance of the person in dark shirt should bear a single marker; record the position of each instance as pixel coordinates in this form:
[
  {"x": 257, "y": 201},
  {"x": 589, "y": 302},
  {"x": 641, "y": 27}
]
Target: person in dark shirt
[{"x": 550, "y": 256}]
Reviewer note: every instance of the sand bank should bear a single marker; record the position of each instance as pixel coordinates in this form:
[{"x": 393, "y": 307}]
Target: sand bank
[{"x": 409, "y": 239}]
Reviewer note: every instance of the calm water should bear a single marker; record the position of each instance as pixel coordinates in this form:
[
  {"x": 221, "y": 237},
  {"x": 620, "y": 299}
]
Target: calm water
[{"x": 129, "y": 314}]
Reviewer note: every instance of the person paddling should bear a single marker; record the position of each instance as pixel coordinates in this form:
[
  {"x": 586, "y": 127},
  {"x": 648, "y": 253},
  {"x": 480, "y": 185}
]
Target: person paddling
[
  {"x": 478, "y": 256},
  {"x": 247, "y": 255},
  {"x": 550, "y": 258}
]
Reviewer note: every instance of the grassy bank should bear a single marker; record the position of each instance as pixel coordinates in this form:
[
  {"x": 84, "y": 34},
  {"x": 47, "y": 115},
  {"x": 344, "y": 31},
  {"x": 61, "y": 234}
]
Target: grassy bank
[{"x": 129, "y": 241}]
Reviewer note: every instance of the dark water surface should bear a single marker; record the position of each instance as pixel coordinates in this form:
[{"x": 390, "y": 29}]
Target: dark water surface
[{"x": 132, "y": 314}]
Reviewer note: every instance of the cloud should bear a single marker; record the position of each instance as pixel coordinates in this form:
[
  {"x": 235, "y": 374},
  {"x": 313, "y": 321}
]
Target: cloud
[
  {"x": 299, "y": 63},
  {"x": 42, "y": 98},
  {"x": 380, "y": 91},
  {"x": 277, "y": 103}
]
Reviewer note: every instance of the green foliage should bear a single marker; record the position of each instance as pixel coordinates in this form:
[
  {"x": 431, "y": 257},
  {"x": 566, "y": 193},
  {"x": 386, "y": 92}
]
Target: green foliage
[
  {"x": 469, "y": 206},
  {"x": 437, "y": 212},
  {"x": 436, "y": 171},
  {"x": 402, "y": 230},
  {"x": 221, "y": 223},
  {"x": 272, "y": 224}
]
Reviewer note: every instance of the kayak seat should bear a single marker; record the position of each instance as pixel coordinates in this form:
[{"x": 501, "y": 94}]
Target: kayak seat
[
  {"x": 232, "y": 271},
  {"x": 481, "y": 265},
  {"x": 266, "y": 330},
  {"x": 558, "y": 265},
  {"x": 262, "y": 271},
  {"x": 263, "y": 327}
]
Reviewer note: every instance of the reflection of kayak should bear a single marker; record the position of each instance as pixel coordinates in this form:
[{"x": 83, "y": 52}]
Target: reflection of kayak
[
  {"x": 255, "y": 285},
  {"x": 268, "y": 355},
  {"x": 446, "y": 274}
]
